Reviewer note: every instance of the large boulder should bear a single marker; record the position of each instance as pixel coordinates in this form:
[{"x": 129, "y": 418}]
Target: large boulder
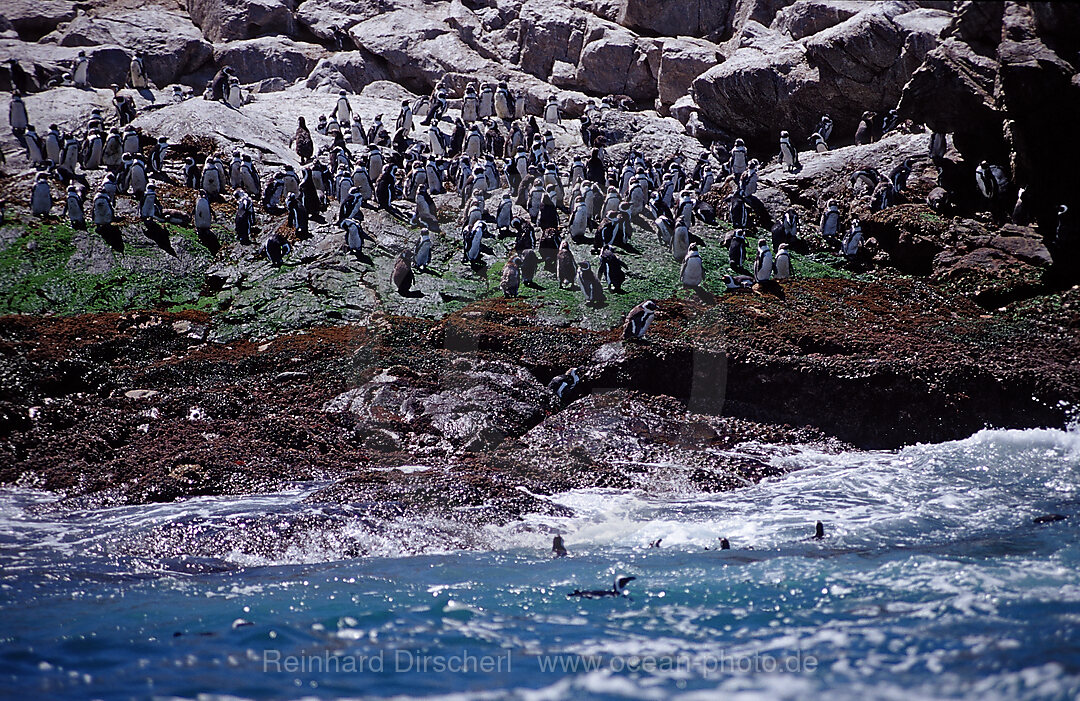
[
  {"x": 805, "y": 18},
  {"x": 683, "y": 59},
  {"x": 33, "y": 19},
  {"x": 659, "y": 137},
  {"x": 45, "y": 62},
  {"x": 473, "y": 405},
  {"x": 345, "y": 70},
  {"x": 550, "y": 33},
  {"x": 330, "y": 20},
  {"x": 226, "y": 20},
  {"x": 168, "y": 43},
  {"x": 257, "y": 59},
  {"x": 675, "y": 17},
  {"x": 860, "y": 64},
  {"x": 616, "y": 62}
]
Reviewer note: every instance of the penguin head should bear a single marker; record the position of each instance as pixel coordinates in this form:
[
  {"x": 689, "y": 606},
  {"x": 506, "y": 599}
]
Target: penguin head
[
  {"x": 584, "y": 265},
  {"x": 649, "y": 306},
  {"x": 783, "y": 135},
  {"x": 621, "y": 583}
]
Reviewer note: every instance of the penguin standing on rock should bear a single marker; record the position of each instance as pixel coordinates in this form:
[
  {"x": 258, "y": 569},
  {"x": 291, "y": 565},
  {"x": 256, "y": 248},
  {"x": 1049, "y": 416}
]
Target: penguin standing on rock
[
  {"x": 566, "y": 386},
  {"x": 639, "y": 320},
  {"x": 865, "y": 132},
  {"x": 422, "y": 251},
  {"x": 788, "y": 154},
  {"x": 245, "y": 217},
  {"x": 75, "y": 212},
  {"x": 830, "y": 220},
  {"x": 276, "y": 248},
  {"x": 305, "y": 147},
  {"x": 402, "y": 275},
  {"x": 41, "y": 199}
]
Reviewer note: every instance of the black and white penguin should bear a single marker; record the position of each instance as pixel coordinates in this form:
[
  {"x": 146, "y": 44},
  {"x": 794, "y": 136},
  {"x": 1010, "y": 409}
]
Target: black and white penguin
[
  {"x": 737, "y": 160},
  {"x": 511, "y": 276},
  {"x": 558, "y": 548},
  {"x": 830, "y": 220},
  {"x": 864, "y": 134},
  {"x": 17, "y": 116},
  {"x": 853, "y": 240},
  {"x": 737, "y": 250},
  {"x": 138, "y": 73},
  {"x": 74, "y": 208},
  {"x": 611, "y": 269},
  {"x": 566, "y": 386},
  {"x": 819, "y": 531},
  {"x": 565, "y": 265},
  {"x": 102, "y": 210},
  {"x": 825, "y": 127},
  {"x": 343, "y": 110},
  {"x": 245, "y": 217},
  {"x": 528, "y": 265},
  {"x": 782, "y": 264},
  {"x": 402, "y": 275},
  {"x": 202, "y": 216},
  {"x": 738, "y": 282},
  {"x": 789, "y": 156},
  {"x": 422, "y": 250},
  {"x": 472, "y": 238},
  {"x": 589, "y": 284},
  {"x": 150, "y": 208},
  {"x": 405, "y": 118},
  {"x": 619, "y": 589},
  {"x": 992, "y": 181},
  {"x": 297, "y": 215},
  {"x": 639, "y": 320},
  {"x": 276, "y": 248},
  {"x": 692, "y": 271},
  {"x": 552, "y": 112},
  {"x": 680, "y": 241},
  {"x": 41, "y": 199},
  {"x": 817, "y": 142},
  {"x": 763, "y": 264}
]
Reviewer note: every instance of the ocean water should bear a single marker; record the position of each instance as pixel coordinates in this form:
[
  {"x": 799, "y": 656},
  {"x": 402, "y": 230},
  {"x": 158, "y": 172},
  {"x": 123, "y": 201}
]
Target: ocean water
[{"x": 933, "y": 582}]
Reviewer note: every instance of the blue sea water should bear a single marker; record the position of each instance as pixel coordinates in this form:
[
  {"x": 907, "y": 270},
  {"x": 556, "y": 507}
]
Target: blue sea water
[{"x": 933, "y": 582}]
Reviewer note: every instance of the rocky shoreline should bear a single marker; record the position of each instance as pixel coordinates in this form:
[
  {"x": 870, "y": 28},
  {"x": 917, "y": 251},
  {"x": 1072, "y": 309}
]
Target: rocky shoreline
[{"x": 146, "y": 368}]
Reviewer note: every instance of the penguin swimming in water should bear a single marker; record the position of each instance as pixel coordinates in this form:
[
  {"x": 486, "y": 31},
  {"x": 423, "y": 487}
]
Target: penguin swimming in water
[
  {"x": 558, "y": 549},
  {"x": 618, "y": 590},
  {"x": 819, "y": 531},
  {"x": 639, "y": 320}
]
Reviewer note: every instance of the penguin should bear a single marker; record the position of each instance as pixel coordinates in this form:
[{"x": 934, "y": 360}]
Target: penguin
[
  {"x": 402, "y": 275},
  {"x": 853, "y": 241},
  {"x": 235, "y": 96},
  {"x": 17, "y": 117},
  {"x": 504, "y": 216},
  {"x": 74, "y": 208},
  {"x": 865, "y": 132},
  {"x": 819, "y": 531},
  {"x": 528, "y": 265},
  {"x": 511, "y": 277},
  {"x": 737, "y": 161},
  {"x": 102, "y": 209},
  {"x": 472, "y": 239},
  {"x": 276, "y": 248},
  {"x": 211, "y": 179},
  {"x": 69, "y": 155},
  {"x": 425, "y": 212},
  {"x": 384, "y": 188},
  {"x": 150, "y": 209},
  {"x": 566, "y": 266},
  {"x": 297, "y": 215},
  {"x": 41, "y": 199},
  {"x": 817, "y": 142},
  {"x": 138, "y": 74},
  {"x": 611, "y": 269},
  {"x": 680, "y": 242},
  {"x": 665, "y": 229},
  {"x": 157, "y": 155},
  {"x": 470, "y": 104},
  {"x": 825, "y": 127},
  {"x": 245, "y": 217},
  {"x": 782, "y": 264},
  {"x": 937, "y": 146},
  {"x": 486, "y": 108},
  {"x": 343, "y": 110},
  {"x": 692, "y": 271},
  {"x": 558, "y": 549},
  {"x": 203, "y": 216},
  {"x": 763, "y": 265},
  {"x": 504, "y": 103},
  {"x": 830, "y": 220},
  {"x": 618, "y": 590},
  {"x": 552, "y": 113},
  {"x": 80, "y": 71},
  {"x": 589, "y": 284},
  {"x": 422, "y": 251},
  {"x": 898, "y": 176},
  {"x": 738, "y": 282},
  {"x": 93, "y": 150},
  {"x": 991, "y": 180},
  {"x": 565, "y": 386},
  {"x": 788, "y": 155},
  {"x": 404, "y": 121},
  {"x": 639, "y": 320},
  {"x": 52, "y": 143},
  {"x": 305, "y": 147},
  {"x": 219, "y": 86}
]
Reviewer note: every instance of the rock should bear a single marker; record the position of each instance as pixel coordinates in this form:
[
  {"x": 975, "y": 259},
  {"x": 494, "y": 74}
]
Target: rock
[
  {"x": 141, "y": 393},
  {"x": 345, "y": 70},
  {"x": 257, "y": 59},
  {"x": 227, "y": 20},
  {"x": 169, "y": 44},
  {"x": 804, "y": 18},
  {"x": 46, "y": 62},
  {"x": 473, "y": 405},
  {"x": 860, "y": 64},
  {"x": 978, "y": 24},
  {"x": 615, "y": 62},
  {"x": 647, "y": 131},
  {"x": 675, "y": 17},
  {"x": 551, "y": 34},
  {"x": 681, "y": 61},
  {"x": 330, "y": 20},
  {"x": 33, "y": 19}
]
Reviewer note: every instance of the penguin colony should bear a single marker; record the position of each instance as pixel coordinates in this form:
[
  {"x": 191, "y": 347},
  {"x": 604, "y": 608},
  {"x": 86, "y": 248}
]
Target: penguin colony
[{"x": 561, "y": 216}]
